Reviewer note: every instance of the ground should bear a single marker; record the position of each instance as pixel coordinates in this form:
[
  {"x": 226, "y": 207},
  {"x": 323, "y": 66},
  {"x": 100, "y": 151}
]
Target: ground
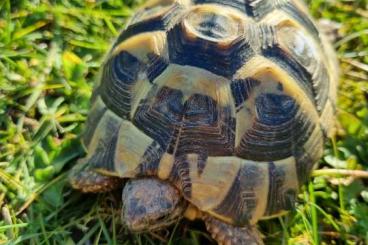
[{"x": 50, "y": 52}]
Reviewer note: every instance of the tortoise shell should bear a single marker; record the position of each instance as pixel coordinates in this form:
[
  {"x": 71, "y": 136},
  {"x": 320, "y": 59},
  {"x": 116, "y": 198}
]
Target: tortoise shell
[{"x": 229, "y": 100}]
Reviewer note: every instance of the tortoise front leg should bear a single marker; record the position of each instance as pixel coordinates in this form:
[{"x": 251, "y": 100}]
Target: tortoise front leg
[
  {"x": 85, "y": 179},
  {"x": 226, "y": 234}
]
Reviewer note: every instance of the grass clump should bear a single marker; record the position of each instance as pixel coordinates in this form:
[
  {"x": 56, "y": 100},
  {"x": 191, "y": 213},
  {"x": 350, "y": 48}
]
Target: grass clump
[{"x": 50, "y": 53}]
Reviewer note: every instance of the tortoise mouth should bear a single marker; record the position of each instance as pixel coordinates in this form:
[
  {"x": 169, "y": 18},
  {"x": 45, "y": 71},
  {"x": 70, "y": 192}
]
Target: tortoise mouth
[
  {"x": 150, "y": 204},
  {"x": 149, "y": 223}
]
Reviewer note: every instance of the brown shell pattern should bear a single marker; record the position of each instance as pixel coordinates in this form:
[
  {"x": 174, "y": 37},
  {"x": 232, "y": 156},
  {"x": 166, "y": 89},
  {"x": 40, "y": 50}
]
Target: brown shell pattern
[{"x": 229, "y": 100}]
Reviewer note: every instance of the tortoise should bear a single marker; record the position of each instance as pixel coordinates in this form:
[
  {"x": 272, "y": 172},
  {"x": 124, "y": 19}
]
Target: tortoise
[{"x": 210, "y": 109}]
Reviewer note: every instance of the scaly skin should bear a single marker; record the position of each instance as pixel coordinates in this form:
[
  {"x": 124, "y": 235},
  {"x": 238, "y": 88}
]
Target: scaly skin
[
  {"x": 226, "y": 234},
  {"x": 81, "y": 177}
]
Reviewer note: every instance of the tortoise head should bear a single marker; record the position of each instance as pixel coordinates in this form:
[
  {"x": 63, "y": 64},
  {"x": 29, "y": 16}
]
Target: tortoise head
[{"x": 150, "y": 204}]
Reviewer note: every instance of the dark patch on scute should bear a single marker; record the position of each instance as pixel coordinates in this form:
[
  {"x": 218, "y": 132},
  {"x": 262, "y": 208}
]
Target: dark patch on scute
[
  {"x": 126, "y": 67},
  {"x": 202, "y": 160},
  {"x": 213, "y": 25},
  {"x": 151, "y": 160},
  {"x": 180, "y": 175},
  {"x": 119, "y": 75},
  {"x": 206, "y": 128},
  {"x": 241, "y": 89},
  {"x": 159, "y": 114},
  {"x": 156, "y": 66},
  {"x": 205, "y": 54},
  {"x": 241, "y": 199},
  {"x": 200, "y": 110},
  {"x": 280, "y": 87},
  {"x": 270, "y": 137},
  {"x": 104, "y": 155},
  {"x": 273, "y": 109}
]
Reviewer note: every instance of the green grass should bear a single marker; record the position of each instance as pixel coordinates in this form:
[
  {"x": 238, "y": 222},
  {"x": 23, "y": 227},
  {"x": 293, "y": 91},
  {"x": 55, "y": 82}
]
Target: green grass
[{"x": 50, "y": 52}]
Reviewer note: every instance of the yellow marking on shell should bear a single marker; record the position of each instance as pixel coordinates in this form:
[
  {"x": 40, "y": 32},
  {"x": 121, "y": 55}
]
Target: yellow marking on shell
[
  {"x": 267, "y": 71},
  {"x": 235, "y": 19},
  {"x": 192, "y": 80},
  {"x": 245, "y": 120},
  {"x": 139, "y": 91},
  {"x": 328, "y": 120},
  {"x": 165, "y": 166},
  {"x": 131, "y": 146},
  {"x": 142, "y": 44},
  {"x": 101, "y": 131},
  {"x": 211, "y": 187}
]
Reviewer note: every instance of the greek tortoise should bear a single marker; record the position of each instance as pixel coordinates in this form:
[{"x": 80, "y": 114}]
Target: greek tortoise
[{"x": 210, "y": 109}]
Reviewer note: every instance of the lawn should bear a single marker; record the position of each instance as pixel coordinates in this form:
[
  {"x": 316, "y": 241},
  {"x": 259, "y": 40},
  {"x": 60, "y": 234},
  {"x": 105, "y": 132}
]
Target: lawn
[{"x": 50, "y": 53}]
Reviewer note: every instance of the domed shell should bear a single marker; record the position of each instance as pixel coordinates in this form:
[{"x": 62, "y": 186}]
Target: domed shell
[{"x": 228, "y": 100}]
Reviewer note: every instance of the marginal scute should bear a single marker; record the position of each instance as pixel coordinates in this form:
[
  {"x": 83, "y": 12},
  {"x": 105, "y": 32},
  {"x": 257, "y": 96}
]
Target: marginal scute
[
  {"x": 102, "y": 147},
  {"x": 308, "y": 154},
  {"x": 244, "y": 201},
  {"x": 328, "y": 120},
  {"x": 134, "y": 148},
  {"x": 283, "y": 186},
  {"x": 97, "y": 111}
]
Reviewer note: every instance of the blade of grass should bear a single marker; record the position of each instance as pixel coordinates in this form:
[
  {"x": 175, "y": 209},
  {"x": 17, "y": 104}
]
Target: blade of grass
[{"x": 314, "y": 215}]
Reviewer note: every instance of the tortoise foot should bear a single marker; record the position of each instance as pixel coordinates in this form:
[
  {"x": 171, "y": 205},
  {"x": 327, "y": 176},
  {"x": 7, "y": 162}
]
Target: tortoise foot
[
  {"x": 226, "y": 234},
  {"x": 82, "y": 178}
]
